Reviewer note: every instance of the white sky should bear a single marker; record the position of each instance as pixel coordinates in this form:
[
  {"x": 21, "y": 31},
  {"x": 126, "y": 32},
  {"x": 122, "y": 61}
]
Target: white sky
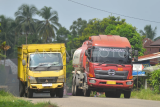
[{"x": 69, "y": 11}]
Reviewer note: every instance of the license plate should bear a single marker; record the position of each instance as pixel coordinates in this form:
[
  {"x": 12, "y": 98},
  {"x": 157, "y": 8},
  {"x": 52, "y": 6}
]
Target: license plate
[
  {"x": 111, "y": 82},
  {"x": 47, "y": 85}
]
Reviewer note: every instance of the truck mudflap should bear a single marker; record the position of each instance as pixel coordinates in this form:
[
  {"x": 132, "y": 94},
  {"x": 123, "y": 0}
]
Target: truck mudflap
[
  {"x": 117, "y": 84},
  {"x": 49, "y": 86}
]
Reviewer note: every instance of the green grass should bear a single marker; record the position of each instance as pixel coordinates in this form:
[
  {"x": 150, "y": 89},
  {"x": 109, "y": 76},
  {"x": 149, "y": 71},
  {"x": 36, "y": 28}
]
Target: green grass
[
  {"x": 145, "y": 94},
  {"x": 8, "y": 100}
]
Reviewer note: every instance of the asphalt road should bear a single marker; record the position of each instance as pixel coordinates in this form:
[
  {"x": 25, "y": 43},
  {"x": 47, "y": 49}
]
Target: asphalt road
[{"x": 81, "y": 101}]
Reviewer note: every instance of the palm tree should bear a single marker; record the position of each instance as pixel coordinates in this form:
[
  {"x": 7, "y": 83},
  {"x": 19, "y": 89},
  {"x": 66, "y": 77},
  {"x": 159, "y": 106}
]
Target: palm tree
[
  {"x": 47, "y": 28},
  {"x": 7, "y": 30},
  {"x": 78, "y": 26},
  {"x": 149, "y": 32},
  {"x": 24, "y": 19}
]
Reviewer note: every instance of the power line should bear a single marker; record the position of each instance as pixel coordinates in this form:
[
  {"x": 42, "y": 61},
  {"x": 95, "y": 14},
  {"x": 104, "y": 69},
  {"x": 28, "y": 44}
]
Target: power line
[{"x": 113, "y": 12}]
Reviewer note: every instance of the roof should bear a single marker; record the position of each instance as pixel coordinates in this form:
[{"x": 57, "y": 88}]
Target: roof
[
  {"x": 157, "y": 42},
  {"x": 147, "y": 42},
  {"x": 150, "y": 56},
  {"x": 110, "y": 41},
  {"x": 152, "y": 47}
]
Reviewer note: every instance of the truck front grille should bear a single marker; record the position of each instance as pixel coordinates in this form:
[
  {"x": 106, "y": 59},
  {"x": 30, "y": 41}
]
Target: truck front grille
[
  {"x": 41, "y": 80},
  {"x": 108, "y": 75},
  {"x": 105, "y": 83}
]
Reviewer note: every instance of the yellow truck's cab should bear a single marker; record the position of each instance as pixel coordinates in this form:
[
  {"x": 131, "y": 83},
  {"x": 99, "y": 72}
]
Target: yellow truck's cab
[{"x": 41, "y": 67}]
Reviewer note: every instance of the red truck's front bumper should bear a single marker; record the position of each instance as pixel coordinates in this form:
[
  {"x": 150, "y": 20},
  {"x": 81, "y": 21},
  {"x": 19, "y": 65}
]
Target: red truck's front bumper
[{"x": 100, "y": 83}]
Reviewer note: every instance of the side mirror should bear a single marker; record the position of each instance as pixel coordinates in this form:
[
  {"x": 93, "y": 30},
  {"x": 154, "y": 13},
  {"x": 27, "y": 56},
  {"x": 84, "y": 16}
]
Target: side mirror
[
  {"x": 136, "y": 53},
  {"x": 86, "y": 53},
  {"x": 67, "y": 59},
  {"x": 23, "y": 62}
]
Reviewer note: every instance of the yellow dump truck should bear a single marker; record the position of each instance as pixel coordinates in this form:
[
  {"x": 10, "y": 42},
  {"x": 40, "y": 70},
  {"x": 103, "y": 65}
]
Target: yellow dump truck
[{"x": 42, "y": 68}]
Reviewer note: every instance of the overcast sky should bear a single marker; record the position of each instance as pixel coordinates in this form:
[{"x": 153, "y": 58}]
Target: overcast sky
[{"x": 69, "y": 11}]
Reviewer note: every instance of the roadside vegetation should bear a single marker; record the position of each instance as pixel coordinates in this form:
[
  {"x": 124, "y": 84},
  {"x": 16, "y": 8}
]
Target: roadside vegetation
[
  {"x": 8, "y": 100},
  {"x": 146, "y": 94}
]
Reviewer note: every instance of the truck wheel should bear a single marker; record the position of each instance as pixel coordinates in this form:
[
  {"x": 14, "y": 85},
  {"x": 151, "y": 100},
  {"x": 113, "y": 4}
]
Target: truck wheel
[
  {"x": 52, "y": 93},
  {"x": 30, "y": 93},
  {"x": 73, "y": 85},
  {"x": 127, "y": 94},
  {"x": 21, "y": 89},
  {"x": 59, "y": 92},
  {"x": 86, "y": 92}
]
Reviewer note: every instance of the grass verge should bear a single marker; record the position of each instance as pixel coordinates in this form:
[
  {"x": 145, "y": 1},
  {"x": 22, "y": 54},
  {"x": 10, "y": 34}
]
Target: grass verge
[
  {"x": 8, "y": 100},
  {"x": 145, "y": 94}
]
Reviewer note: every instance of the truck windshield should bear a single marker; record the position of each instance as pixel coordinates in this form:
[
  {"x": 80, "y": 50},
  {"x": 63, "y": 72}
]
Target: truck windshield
[
  {"x": 45, "y": 59},
  {"x": 110, "y": 55}
]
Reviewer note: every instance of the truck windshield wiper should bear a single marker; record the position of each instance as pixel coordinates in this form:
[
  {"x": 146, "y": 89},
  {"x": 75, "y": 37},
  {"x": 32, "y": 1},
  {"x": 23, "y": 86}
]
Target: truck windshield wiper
[
  {"x": 120, "y": 63},
  {"x": 52, "y": 64},
  {"x": 104, "y": 62},
  {"x": 40, "y": 65}
]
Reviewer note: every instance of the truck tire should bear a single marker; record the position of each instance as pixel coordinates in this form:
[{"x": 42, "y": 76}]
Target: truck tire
[
  {"x": 86, "y": 92},
  {"x": 77, "y": 91},
  {"x": 30, "y": 93},
  {"x": 127, "y": 94},
  {"x": 21, "y": 89},
  {"x": 59, "y": 92},
  {"x": 73, "y": 85},
  {"x": 52, "y": 93}
]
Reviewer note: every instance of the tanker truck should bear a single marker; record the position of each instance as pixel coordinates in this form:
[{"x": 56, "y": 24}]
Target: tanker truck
[
  {"x": 42, "y": 69},
  {"x": 103, "y": 64}
]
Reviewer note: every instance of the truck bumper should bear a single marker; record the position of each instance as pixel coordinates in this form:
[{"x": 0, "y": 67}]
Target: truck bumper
[
  {"x": 39, "y": 86},
  {"x": 100, "y": 83}
]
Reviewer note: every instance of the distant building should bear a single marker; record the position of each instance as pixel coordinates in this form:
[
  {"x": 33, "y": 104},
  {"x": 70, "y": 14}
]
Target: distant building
[{"x": 152, "y": 47}]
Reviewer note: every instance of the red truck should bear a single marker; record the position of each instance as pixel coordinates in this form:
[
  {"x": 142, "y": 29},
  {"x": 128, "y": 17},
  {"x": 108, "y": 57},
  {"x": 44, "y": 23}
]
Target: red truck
[{"x": 103, "y": 64}]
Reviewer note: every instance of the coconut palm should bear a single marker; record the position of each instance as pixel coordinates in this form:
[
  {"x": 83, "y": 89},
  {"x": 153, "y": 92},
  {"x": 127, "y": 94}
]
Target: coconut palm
[
  {"x": 47, "y": 28},
  {"x": 7, "y": 30},
  {"x": 149, "y": 32},
  {"x": 78, "y": 26},
  {"x": 24, "y": 19}
]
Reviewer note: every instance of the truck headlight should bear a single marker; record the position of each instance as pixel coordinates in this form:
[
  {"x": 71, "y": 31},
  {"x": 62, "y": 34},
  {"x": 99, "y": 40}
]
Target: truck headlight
[
  {"x": 60, "y": 78},
  {"x": 32, "y": 79},
  {"x": 129, "y": 83}
]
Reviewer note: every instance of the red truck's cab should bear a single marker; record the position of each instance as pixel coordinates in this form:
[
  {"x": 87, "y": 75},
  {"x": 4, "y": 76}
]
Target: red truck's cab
[{"x": 103, "y": 64}]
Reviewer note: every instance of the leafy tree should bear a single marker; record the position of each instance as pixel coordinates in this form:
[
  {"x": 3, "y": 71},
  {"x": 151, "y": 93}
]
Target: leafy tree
[
  {"x": 7, "y": 28},
  {"x": 149, "y": 32},
  {"x": 8, "y": 32},
  {"x": 94, "y": 27},
  {"x": 24, "y": 19},
  {"x": 62, "y": 35},
  {"x": 155, "y": 80},
  {"x": 77, "y": 27},
  {"x": 128, "y": 31},
  {"x": 4, "y": 47},
  {"x": 47, "y": 28}
]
